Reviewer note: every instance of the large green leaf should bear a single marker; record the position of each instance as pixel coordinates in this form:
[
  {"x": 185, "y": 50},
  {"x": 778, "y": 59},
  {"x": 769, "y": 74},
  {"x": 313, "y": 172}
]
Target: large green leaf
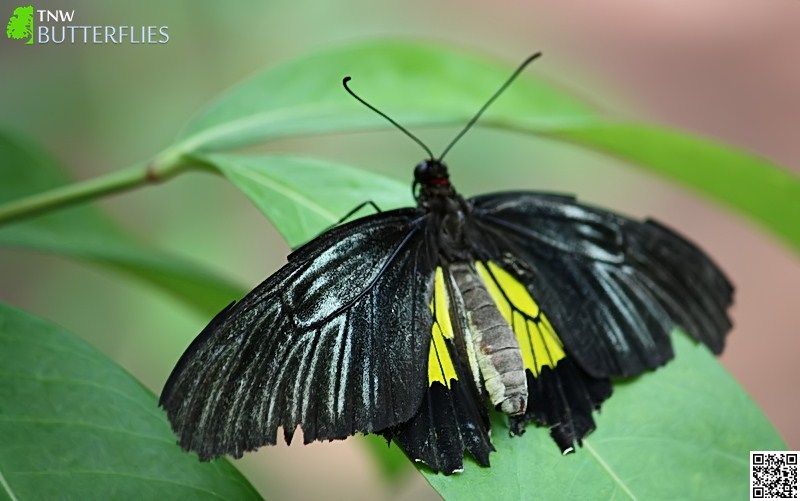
[
  {"x": 684, "y": 431},
  {"x": 416, "y": 84},
  {"x": 304, "y": 196},
  {"x": 424, "y": 85},
  {"x": 72, "y": 421},
  {"x": 85, "y": 233},
  {"x": 681, "y": 432}
]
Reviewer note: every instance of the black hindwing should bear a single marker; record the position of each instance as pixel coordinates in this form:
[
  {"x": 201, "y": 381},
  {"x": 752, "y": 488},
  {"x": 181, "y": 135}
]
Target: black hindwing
[
  {"x": 336, "y": 342},
  {"x": 613, "y": 287}
]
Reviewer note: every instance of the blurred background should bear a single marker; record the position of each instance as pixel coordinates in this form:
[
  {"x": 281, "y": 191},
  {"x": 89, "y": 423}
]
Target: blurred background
[{"x": 726, "y": 69}]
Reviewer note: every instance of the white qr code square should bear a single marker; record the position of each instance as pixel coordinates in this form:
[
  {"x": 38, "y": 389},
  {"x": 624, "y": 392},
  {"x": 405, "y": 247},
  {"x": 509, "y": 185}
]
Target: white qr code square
[{"x": 773, "y": 475}]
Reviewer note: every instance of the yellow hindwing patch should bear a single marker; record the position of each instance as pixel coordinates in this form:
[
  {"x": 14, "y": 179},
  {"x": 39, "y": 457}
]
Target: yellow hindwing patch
[
  {"x": 440, "y": 365},
  {"x": 538, "y": 341}
]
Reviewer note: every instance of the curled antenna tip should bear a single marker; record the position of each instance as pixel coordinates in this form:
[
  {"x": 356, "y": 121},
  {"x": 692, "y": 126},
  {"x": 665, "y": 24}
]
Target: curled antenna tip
[
  {"x": 387, "y": 117},
  {"x": 533, "y": 56}
]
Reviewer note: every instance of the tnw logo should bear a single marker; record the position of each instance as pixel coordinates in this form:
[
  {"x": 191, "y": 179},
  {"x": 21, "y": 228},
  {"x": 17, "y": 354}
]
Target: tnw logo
[
  {"x": 59, "y": 16},
  {"x": 20, "y": 24}
]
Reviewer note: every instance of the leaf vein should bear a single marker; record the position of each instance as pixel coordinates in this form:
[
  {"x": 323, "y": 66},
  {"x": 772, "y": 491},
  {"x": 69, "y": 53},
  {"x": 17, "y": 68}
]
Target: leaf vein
[
  {"x": 82, "y": 383},
  {"x": 608, "y": 469},
  {"x": 57, "y": 422},
  {"x": 51, "y": 347},
  {"x": 121, "y": 474},
  {"x": 287, "y": 192},
  {"x": 7, "y": 487},
  {"x": 703, "y": 451}
]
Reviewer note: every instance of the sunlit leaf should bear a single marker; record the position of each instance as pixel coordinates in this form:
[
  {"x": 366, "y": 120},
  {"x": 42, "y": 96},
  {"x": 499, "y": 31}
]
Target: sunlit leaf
[
  {"x": 416, "y": 84},
  {"x": 304, "y": 196},
  {"x": 751, "y": 185},
  {"x": 427, "y": 85}
]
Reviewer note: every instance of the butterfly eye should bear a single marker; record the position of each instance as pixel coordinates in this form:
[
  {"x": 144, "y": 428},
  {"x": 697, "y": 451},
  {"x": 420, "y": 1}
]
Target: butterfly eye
[
  {"x": 431, "y": 172},
  {"x": 421, "y": 172}
]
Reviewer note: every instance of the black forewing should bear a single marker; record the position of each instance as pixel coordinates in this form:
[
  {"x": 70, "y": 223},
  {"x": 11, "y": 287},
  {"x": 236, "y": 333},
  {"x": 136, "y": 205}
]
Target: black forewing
[
  {"x": 336, "y": 341},
  {"x": 612, "y": 287}
]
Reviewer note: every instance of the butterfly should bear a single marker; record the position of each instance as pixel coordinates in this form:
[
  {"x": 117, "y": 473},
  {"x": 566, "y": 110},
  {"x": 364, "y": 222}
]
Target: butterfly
[{"x": 412, "y": 323}]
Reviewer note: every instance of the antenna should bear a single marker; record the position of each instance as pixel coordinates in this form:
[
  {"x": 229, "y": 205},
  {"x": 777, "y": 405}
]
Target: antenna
[
  {"x": 384, "y": 115},
  {"x": 469, "y": 125}
]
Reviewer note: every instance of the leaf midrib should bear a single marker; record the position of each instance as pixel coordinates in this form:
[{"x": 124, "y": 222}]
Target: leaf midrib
[
  {"x": 195, "y": 142},
  {"x": 121, "y": 474},
  {"x": 588, "y": 446},
  {"x": 7, "y": 487},
  {"x": 80, "y": 424},
  {"x": 287, "y": 191}
]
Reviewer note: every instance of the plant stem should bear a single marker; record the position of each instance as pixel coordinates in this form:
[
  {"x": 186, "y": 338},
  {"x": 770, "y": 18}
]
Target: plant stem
[{"x": 162, "y": 167}]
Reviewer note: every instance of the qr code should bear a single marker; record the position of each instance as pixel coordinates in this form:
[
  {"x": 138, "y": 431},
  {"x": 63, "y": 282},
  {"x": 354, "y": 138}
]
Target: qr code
[{"x": 773, "y": 474}]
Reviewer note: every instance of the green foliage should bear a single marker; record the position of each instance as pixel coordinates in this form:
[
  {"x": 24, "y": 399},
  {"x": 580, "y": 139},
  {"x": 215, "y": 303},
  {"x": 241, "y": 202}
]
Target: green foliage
[
  {"x": 746, "y": 183},
  {"x": 416, "y": 84},
  {"x": 423, "y": 85},
  {"x": 73, "y": 422},
  {"x": 681, "y": 432},
  {"x": 304, "y": 196},
  {"x": 85, "y": 233}
]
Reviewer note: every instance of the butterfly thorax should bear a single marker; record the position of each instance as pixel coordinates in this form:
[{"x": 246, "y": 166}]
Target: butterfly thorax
[{"x": 435, "y": 195}]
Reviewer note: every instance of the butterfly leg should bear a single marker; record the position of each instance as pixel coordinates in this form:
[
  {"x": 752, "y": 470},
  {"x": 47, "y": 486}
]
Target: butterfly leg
[
  {"x": 358, "y": 208},
  {"x": 353, "y": 211}
]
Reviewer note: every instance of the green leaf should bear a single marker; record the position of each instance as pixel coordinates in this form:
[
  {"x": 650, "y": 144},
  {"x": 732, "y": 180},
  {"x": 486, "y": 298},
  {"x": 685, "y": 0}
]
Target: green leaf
[
  {"x": 752, "y": 185},
  {"x": 681, "y": 432},
  {"x": 72, "y": 421},
  {"x": 304, "y": 196},
  {"x": 416, "y": 84},
  {"x": 85, "y": 233},
  {"x": 427, "y": 85}
]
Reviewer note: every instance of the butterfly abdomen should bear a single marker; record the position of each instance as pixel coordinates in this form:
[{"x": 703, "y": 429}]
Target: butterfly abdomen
[{"x": 494, "y": 344}]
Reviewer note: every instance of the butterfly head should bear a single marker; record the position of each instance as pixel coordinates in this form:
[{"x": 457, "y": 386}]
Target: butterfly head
[
  {"x": 431, "y": 173},
  {"x": 431, "y": 176}
]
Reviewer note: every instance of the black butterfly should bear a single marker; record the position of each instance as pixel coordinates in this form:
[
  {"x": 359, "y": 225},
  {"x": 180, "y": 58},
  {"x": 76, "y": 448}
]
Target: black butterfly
[{"x": 404, "y": 323}]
